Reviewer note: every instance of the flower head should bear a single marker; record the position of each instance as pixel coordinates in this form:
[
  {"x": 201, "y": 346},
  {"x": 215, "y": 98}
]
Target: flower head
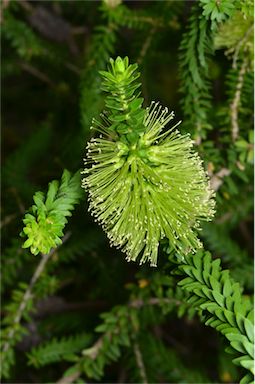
[{"x": 145, "y": 190}]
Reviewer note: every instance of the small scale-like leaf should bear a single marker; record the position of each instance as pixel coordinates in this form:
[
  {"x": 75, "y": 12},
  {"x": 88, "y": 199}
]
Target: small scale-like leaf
[
  {"x": 247, "y": 379},
  {"x": 219, "y": 298},
  {"x": 249, "y": 328},
  {"x": 227, "y": 288},
  {"x": 238, "y": 346}
]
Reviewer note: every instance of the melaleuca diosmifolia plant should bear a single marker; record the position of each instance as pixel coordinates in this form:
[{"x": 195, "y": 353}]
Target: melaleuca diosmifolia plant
[
  {"x": 145, "y": 182},
  {"x": 74, "y": 267}
]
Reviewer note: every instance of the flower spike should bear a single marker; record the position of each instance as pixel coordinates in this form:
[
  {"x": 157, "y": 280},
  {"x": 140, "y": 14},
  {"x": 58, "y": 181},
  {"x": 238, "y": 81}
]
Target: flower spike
[{"x": 144, "y": 181}]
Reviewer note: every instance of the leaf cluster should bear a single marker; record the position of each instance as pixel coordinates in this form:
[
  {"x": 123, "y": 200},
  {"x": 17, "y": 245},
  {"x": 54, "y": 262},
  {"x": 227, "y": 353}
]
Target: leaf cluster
[
  {"x": 217, "y": 11},
  {"x": 213, "y": 290},
  {"x": 125, "y": 107},
  {"x": 44, "y": 225},
  {"x": 195, "y": 52}
]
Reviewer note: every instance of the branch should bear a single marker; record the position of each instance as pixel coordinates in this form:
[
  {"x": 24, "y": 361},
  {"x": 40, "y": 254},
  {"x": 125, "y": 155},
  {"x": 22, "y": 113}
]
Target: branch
[
  {"x": 95, "y": 349},
  {"x": 146, "y": 45},
  {"x": 217, "y": 178},
  {"x": 239, "y": 45},
  {"x": 38, "y": 74},
  {"x": 69, "y": 379},
  {"x": 28, "y": 294},
  {"x": 8, "y": 219},
  {"x": 138, "y": 303},
  {"x": 55, "y": 304},
  {"x": 236, "y": 100},
  {"x": 140, "y": 363}
]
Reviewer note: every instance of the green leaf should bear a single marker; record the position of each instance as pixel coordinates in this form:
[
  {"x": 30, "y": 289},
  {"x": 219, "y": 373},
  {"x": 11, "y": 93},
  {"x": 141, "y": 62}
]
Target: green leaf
[
  {"x": 245, "y": 362},
  {"x": 227, "y": 288},
  {"x": 248, "y": 364},
  {"x": 238, "y": 346},
  {"x": 230, "y": 317},
  {"x": 249, "y": 328},
  {"x": 219, "y": 298},
  {"x": 247, "y": 379},
  {"x": 70, "y": 371}
]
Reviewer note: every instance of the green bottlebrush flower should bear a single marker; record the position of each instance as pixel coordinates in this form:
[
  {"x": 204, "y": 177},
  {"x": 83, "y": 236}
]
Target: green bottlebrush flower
[{"x": 147, "y": 187}]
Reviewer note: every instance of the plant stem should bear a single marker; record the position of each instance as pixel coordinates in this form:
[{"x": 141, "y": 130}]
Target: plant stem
[
  {"x": 236, "y": 101},
  {"x": 140, "y": 363},
  {"x": 28, "y": 294}
]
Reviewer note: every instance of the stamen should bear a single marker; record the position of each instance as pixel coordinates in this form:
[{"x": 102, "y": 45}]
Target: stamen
[{"x": 153, "y": 190}]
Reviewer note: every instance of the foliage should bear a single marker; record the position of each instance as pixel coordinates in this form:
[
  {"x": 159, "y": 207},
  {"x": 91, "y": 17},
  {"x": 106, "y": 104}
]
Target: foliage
[
  {"x": 119, "y": 326},
  {"x": 125, "y": 113},
  {"x": 220, "y": 297},
  {"x": 96, "y": 57},
  {"x": 217, "y": 10},
  {"x": 44, "y": 225},
  {"x": 195, "y": 51},
  {"x": 22, "y": 38},
  {"x": 16, "y": 168},
  {"x": 78, "y": 312},
  {"x": 14, "y": 259},
  {"x": 236, "y": 35},
  {"x": 14, "y": 331},
  {"x": 130, "y": 165},
  {"x": 166, "y": 362},
  {"x": 219, "y": 240},
  {"x": 54, "y": 350}
]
